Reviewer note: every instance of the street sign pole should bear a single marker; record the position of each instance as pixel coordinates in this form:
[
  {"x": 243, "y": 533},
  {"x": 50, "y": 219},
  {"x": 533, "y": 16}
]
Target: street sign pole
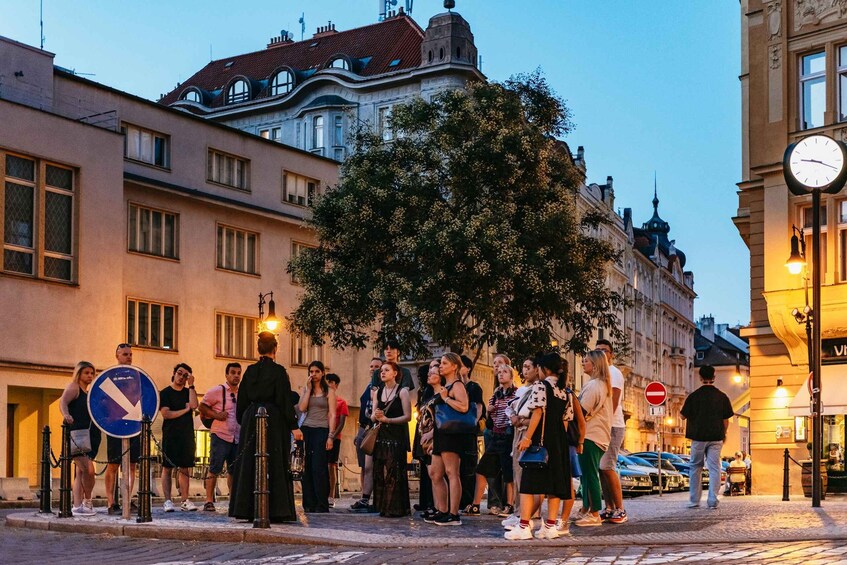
[
  {"x": 126, "y": 474},
  {"x": 656, "y": 395},
  {"x": 659, "y": 452}
]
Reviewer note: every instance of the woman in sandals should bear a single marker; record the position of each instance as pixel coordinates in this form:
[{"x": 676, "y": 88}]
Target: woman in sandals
[
  {"x": 549, "y": 403},
  {"x": 596, "y": 401},
  {"x": 74, "y": 407}
]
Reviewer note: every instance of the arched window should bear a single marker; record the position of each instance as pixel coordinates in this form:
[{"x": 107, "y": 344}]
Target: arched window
[
  {"x": 340, "y": 63},
  {"x": 239, "y": 91},
  {"x": 192, "y": 96},
  {"x": 282, "y": 83}
]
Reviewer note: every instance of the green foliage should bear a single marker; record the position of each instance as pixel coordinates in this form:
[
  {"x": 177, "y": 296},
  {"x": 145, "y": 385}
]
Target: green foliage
[{"x": 463, "y": 230}]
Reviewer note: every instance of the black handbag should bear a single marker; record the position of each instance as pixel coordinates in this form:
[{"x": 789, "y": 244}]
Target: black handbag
[
  {"x": 535, "y": 456},
  {"x": 450, "y": 421}
]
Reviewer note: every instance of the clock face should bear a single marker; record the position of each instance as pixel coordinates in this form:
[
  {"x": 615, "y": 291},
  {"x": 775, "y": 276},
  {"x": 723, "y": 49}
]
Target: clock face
[{"x": 816, "y": 161}]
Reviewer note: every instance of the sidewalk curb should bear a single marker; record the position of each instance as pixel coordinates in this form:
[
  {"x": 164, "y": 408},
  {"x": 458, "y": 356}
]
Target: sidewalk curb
[{"x": 348, "y": 538}]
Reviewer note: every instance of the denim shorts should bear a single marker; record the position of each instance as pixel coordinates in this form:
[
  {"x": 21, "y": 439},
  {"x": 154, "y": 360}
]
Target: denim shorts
[
  {"x": 609, "y": 460},
  {"x": 222, "y": 451}
]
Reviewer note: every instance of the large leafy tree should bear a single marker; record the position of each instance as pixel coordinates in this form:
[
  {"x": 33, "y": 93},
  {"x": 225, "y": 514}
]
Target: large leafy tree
[{"x": 463, "y": 230}]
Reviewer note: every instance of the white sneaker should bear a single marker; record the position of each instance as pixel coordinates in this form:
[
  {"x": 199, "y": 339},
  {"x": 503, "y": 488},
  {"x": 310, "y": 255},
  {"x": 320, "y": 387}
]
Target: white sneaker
[
  {"x": 77, "y": 510},
  {"x": 511, "y": 521},
  {"x": 169, "y": 506},
  {"x": 83, "y": 509},
  {"x": 89, "y": 506},
  {"x": 331, "y": 503},
  {"x": 564, "y": 527},
  {"x": 578, "y": 516},
  {"x": 546, "y": 532},
  {"x": 517, "y": 524},
  {"x": 518, "y": 533},
  {"x": 188, "y": 506}
]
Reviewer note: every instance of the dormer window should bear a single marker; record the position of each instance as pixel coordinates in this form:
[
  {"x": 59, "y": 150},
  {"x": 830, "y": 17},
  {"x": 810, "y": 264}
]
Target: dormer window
[
  {"x": 282, "y": 83},
  {"x": 239, "y": 91},
  {"x": 340, "y": 63},
  {"x": 192, "y": 96}
]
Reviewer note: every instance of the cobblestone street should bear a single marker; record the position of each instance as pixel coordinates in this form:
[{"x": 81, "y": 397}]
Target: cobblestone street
[{"x": 742, "y": 530}]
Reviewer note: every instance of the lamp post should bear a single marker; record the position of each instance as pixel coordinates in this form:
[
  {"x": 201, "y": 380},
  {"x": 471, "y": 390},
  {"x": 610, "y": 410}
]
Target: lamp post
[
  {"x": 271, "y": 323},
  {"x": 815, "y": 164}
]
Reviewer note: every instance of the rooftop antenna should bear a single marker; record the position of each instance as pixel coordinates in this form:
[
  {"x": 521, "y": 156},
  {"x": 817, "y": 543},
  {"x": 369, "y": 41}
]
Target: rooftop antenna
[
  {"x": 210, "y": 53},
  {"x": 41, "y": 22},
  {"x": 409, "y": 4},
  {"x": 302, "y": 22},
  {"x": 385, "y": 8}
]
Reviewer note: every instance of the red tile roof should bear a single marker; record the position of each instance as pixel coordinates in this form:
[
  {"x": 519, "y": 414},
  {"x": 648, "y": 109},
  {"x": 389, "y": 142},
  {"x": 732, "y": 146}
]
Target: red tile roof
[{"x": 398, "y": 37}]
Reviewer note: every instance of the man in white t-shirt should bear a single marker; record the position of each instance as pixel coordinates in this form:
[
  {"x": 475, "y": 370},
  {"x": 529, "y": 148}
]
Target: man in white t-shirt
[{"x": 609, "y": 479}]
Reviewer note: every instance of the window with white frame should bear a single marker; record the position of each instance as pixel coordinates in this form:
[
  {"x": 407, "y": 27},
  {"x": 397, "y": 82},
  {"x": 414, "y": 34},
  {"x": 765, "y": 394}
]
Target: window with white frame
[
  {"x": 237, "y": 250},
  {"x": 299, "y": 190},
  {"x": 235, "y": 336},
  {"x": 303, "y": 351},
  {"x": 239, "y": 91},
  {"x": 842, "y": 83},
  {"x": 146, "y": 145},
  {"x": 340, "y": 63},
  {"x": 317, "y": 132},
  {"x": 151, "y": 324},
  {"x": 812, "y": 90},
  {"x": 274, "y": 134},
  {"x": 282, "y": 83},
  {"x": 192, "y": 96},
  {"x": 229, "y": 170},
  {"x": 806, "y": 218},
  {"x": 36, "y": 245},
  {"x": 383, "y": 123},
  {"x": 338, "y": 131},
  {"x": 296, "y": 249},
  {"x": 154, "y": 232}
]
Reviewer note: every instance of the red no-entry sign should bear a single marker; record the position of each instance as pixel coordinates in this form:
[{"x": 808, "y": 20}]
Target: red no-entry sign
[{"x": 656, "y": 393}]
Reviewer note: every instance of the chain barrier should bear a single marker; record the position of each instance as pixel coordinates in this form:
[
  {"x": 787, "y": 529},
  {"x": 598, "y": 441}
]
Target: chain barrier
[{"x": 208, "y": 475}]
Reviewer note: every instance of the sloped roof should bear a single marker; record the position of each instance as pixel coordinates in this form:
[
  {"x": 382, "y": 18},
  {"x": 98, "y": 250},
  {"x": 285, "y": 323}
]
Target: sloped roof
[
  {"x": 371, "y": 48},
  {"x": 719, "y": 352}
]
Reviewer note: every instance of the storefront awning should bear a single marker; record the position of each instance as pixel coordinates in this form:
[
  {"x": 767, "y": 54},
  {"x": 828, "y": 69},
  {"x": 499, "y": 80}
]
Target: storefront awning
[{"x": 833, "y": 393}]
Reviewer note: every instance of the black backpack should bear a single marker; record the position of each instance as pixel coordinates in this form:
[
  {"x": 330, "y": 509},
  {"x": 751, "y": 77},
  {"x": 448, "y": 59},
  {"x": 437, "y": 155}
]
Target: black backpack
[{"x": 208, "y": 421}]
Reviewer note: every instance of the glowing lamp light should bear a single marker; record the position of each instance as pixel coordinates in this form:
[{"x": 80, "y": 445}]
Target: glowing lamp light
[
  {"x": 795, "y": 262},
  {"x": 272, "y": 322}
]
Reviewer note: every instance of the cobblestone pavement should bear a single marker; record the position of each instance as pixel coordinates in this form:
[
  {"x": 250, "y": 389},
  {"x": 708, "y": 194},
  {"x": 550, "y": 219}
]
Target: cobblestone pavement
[
  {"x": 24, "y": 547},
  {"x": 742, "y": 530}
]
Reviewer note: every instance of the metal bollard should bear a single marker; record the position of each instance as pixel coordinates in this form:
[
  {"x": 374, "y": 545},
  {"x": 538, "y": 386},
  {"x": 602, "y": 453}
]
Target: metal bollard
[
  {"x": 261, "y": 500},
  {"x": 46, "y": 476},
  {"x": 785, "y": 486},
  {"x": 145, "y": 492},
  {"x": 65, "y": 474}
]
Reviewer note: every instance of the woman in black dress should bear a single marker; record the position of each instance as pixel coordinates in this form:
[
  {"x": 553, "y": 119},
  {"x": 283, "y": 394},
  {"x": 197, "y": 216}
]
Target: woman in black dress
[
  {"x": 392, "y": 410},
  {"x": 549, "y": 402},
  {"x": 265, "y": 384},
  {"x": 74, "y": 407}
]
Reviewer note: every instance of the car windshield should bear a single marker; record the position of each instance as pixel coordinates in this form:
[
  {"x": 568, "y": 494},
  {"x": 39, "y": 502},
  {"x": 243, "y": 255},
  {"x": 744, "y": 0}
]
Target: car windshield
[
  {"x": 639, "y": 461},
  {"x": 667, "y": 465}
]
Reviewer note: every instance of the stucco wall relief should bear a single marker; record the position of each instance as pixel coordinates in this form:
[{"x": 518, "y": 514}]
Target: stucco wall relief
[{"x": 814, "y": 12}]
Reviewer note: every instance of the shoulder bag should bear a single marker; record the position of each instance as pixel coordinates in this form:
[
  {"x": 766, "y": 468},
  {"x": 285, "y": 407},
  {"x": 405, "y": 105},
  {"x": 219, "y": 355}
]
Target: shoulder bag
[
  {"x": 368, "y": 443},
  {"x": 208, "y": 421},
  {"x": 81, "y": 441},
  {"x": 535, "y": 456},
  {"x": 450, "y": 421}
]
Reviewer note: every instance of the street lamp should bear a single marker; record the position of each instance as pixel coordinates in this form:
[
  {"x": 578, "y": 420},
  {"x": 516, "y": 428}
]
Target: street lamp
[
  {"x": 271, "y": 323},
  {"x": 815, "y": 164},
  {"x": 797, "y": 259}
]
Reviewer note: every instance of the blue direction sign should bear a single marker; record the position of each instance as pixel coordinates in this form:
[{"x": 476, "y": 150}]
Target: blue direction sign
[{"x": 119, "y": 398}]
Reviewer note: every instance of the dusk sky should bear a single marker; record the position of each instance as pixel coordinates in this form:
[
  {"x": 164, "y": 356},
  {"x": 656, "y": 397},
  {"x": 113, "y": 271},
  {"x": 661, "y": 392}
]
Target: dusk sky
[{"x": 653, "y": 87}]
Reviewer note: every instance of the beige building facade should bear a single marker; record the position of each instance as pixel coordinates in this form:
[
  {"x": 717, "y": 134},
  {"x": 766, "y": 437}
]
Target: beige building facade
[
  {"x": 793, "y": 61},
  {"x": 127, "y": 221}
]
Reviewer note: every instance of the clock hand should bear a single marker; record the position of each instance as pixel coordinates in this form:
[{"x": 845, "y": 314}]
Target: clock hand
[{"x": 819, "y": 163}]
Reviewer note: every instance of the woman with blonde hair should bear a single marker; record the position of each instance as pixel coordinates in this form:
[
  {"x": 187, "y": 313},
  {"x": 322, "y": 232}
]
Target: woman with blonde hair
[
  {"x": 596, "y": 402},
  {"x": 446, "y": 448},
  {"x": 74, "y": 408}
]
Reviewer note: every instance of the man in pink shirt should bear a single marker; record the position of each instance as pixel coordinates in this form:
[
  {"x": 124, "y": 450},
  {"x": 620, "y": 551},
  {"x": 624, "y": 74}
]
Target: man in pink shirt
[{"x": 219, "y": 405}]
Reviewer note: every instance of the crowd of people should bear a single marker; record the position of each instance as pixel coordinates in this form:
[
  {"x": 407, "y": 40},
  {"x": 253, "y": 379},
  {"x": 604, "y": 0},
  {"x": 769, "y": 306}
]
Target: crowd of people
[{"x": 538, "y": 435}]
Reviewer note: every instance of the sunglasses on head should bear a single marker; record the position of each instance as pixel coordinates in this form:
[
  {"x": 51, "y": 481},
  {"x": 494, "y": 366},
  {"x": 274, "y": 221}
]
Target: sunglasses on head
[{"x": 122, "y": 345}]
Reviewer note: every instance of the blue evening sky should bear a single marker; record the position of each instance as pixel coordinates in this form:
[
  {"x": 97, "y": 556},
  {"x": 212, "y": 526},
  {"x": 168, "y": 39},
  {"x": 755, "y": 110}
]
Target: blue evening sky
[{"x": 653, "y": 86}]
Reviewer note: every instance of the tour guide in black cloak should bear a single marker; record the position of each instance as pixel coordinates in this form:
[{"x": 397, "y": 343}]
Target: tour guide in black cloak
[{"x": 265, "y": 384}]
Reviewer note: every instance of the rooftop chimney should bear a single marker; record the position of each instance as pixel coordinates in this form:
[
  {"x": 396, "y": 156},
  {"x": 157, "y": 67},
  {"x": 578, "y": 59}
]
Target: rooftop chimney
[
  {"x": 328, "y": 29},
  {"x": 284, "y": 38}
]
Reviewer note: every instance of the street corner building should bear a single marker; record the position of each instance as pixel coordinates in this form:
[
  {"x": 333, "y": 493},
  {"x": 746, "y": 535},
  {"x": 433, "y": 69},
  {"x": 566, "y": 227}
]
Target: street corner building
[{"x": 793, "y": 84}]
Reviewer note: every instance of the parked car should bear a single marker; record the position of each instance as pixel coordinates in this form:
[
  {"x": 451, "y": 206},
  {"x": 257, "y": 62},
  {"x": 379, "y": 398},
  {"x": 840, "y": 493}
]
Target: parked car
[
  {"x": 652, "y": 474},
  {"x": 672, "y": 480},
  {"x": 677, "y": 462},
  {"x": 634, "y": 482}
]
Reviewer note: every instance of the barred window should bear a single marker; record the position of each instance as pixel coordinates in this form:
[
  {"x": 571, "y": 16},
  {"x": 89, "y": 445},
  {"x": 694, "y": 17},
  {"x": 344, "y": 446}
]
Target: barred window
[
  {"x": 154, "y": 232},
  {"x": 237, "y": 250},
  {"x": 228, "y": 169},
  {"x": 235, "y": 336},
  {"x": 150, "y": 324},
  {"x": 45, "y": 251}
]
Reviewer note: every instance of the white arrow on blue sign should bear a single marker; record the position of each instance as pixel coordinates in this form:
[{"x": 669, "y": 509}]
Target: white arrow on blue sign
[{"x": 119, "y": 398}]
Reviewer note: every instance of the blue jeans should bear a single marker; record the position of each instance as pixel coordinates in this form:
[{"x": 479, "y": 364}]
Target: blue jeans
[{"x": 710, "y": 451}]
